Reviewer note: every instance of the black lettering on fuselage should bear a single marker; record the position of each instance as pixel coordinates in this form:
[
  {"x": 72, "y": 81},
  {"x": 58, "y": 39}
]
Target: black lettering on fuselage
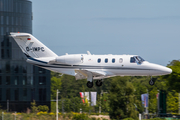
[{"x": 35, "y": 49}]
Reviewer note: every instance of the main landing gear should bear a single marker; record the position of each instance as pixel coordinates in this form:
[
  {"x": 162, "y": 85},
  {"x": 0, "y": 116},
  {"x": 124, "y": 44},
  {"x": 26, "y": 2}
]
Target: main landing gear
[
  {"x": 90, "y": 84},
  {"x": 151, "y": 82},
  {"x": 98, "y": 83}
]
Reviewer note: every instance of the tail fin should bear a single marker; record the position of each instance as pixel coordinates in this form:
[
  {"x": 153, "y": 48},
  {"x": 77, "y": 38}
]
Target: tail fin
[{"x": 32, "y": 47}]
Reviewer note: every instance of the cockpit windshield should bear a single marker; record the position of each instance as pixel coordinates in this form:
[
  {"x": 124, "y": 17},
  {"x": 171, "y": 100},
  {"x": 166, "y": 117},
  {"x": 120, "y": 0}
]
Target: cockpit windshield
[
  {"x": 139, "y": 59},
  {"x": 136, "y": 59}
]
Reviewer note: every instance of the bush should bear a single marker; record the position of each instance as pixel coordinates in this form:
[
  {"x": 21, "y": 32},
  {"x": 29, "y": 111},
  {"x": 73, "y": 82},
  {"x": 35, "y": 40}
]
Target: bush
[
  {"x": 33, "y": 107},
  {"x": 80, "y": 117},
  {"x": 128, "y": 119},
  {"x": 93, "y": 118},
  {"x": 43, "y": 108}
]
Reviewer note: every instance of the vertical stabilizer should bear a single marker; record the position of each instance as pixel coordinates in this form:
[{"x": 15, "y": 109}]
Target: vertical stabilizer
[{"x": 31, "y": 46}]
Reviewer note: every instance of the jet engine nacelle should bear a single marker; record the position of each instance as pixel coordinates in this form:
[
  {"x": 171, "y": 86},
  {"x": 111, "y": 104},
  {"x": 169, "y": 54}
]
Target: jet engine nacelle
[{"x": 68, "y": 59}]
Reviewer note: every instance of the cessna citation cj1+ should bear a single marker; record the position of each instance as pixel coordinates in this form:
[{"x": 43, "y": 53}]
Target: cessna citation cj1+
[{"x": 86, "y": 66}]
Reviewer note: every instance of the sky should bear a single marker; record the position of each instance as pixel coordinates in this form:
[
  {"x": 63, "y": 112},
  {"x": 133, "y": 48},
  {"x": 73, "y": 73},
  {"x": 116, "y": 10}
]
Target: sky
[{"x": 148, "y": 28}]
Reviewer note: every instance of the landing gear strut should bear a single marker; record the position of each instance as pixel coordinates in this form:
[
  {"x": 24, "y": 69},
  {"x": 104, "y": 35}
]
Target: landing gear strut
[
  {"x": 89, "y": 84},
  {"x": 151, "y": 82},
  {"x": 99, "y": 83}
]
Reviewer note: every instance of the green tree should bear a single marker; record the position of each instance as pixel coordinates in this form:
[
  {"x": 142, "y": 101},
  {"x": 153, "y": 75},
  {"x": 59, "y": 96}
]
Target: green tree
[
  {"x": 34, "y": 108},
  {"x": 105, "y": 103},
  {"x": 153, "y": 101},
  {"x": 173, "y": 79},
  {"x": 172, "y": 102},
  {"x": 55, "y": 84},
  {"x": 122, "y": 99}
]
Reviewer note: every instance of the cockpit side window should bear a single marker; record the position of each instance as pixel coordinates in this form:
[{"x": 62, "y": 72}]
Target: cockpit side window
[{"x": 132, "y": 60}]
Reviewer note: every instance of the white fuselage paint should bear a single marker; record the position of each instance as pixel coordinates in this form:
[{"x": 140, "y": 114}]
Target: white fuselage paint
[{"x": 121, "y": 67}]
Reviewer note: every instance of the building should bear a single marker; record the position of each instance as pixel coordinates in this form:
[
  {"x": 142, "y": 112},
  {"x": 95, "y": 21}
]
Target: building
[{"x": 20, "y": 82}]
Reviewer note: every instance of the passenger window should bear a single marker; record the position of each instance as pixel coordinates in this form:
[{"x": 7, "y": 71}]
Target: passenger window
[
  {"x": 106, "y": 60},
  {"x": 132, "y": 60},
  {"x": 113, "y": 60},
  {"x": 120, "y": 60},
  {"x": 99, "y": 60}
]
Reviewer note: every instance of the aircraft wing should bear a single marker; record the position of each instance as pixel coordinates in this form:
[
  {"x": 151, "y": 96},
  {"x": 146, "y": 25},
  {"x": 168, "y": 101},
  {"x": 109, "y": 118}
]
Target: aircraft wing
[{"x": 83, "y": 74}]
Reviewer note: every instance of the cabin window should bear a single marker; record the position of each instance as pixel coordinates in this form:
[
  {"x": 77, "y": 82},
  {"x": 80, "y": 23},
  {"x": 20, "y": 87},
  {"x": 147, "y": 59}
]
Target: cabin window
[
  {"x": 120, "y": 60},
  {"x": 113, "y": 60},
  {"x": 132, "y": 60},
  {"x": 99, "y": 60},
  {"x": 106, "y": 60}
]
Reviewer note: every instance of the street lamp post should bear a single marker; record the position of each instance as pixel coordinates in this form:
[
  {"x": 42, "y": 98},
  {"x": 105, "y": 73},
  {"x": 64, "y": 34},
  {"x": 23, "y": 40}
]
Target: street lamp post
[{"x": 57, "y": 104}]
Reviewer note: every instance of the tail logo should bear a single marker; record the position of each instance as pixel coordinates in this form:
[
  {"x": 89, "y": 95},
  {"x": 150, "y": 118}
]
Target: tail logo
[{"x": 35, "y": 49}]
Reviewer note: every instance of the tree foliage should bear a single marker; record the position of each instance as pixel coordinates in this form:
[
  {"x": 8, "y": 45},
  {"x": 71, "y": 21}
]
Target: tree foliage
[
  {"x": 172, "y": 100},
  {"x": 173, "y": 79},
  {"x": 122, "y": 99},
  {"x": 55, "y": 84}
]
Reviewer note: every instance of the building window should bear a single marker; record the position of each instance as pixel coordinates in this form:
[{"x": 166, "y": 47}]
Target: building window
[
  {"x": 16, "y": 92},
  {"x": 24, "y": 94},
  {"x": 24, "y": 68},
  {"x": 24, "y": 81},
  {"x": 8, "y": 54},
  {"x": 42, "y": 80},
  {"x": 2, "y": 20},
  {"x": 0, "y": 80},
  {"x": 42, "y": 94},
  {"x": 0, "y": 94},
  {"x": 16, "y": 80},
  {"x": 8, "y": 80},
  {"x": 99, "y": 60},
  {"x": 0, "y": 68},
  {"x": 7, "y": 67},
  {"x": 32, "y": 94},
  {"x": 113, "y": 60},
  {"x": 2, "y": 52},
  {"x": 16, "y": 69},
  {"x": 7, "y": 20},
  {"x": 41, "y": 70},
  {"x": 2, "y": 31},
  {"x": 106, "y": 60},
  {"x": 30, "y": 80},
  {"x": 8, "y": 94}
]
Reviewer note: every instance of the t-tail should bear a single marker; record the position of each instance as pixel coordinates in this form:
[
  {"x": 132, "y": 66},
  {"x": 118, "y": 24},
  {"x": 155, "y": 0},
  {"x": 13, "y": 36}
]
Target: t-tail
[{"x": 32, "y": 47}]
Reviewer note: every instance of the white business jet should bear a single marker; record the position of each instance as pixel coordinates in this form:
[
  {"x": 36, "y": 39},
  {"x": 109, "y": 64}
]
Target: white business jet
[{"x": 86, "y": 66}]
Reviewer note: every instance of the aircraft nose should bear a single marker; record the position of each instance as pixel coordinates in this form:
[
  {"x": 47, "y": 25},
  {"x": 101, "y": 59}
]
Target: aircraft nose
[
  {"x": 165, "y": 70},
  {"x": 160, "y": 70},
  {"x": 168, "y": 70}
]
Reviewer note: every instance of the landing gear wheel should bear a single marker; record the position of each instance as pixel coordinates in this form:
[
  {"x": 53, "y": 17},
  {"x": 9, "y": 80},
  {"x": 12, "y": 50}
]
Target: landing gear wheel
[
  {"x": 99, "y": 83},
  {"x": 89, "y": 84},
  {"x": 151, "y": 82}
]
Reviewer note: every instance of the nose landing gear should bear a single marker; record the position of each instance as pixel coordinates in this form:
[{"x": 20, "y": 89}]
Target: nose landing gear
[{"x": 151, "y": 82}]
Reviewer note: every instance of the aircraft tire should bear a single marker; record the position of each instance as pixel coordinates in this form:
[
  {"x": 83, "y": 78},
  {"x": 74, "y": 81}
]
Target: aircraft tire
[
  {"x": 151, "y": 82},
  {"x": 99, "y": 83},
  {"x": 89, "y": 84}
]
